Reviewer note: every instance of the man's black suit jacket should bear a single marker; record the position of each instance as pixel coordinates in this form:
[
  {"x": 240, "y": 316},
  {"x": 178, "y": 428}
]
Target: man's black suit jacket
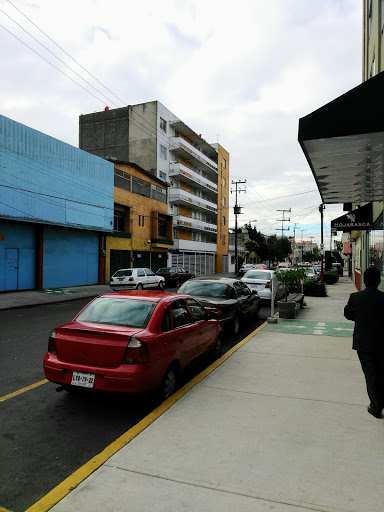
[{"x": 366, "y": 308}]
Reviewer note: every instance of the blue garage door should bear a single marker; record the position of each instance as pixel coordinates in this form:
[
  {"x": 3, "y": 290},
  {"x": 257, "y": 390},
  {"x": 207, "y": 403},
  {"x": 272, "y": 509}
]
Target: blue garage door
[
  {"x": 17, "y": 256},
  {"x": 71, "y": 257}
]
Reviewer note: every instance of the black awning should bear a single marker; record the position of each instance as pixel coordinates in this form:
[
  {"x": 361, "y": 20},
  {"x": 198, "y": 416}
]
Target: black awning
[
  {"x": 343, "y": 143},
  {"x": 357, "y": 220}
]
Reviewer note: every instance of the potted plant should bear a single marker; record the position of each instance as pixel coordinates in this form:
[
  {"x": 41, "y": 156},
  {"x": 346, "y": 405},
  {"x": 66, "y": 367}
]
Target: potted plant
[{"x": 292, "y": 279}]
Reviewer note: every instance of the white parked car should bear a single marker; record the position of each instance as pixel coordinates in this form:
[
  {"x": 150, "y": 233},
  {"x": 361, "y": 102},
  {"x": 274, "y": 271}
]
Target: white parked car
[
  {"x": 261, "y": 281},
  {"x": 312, "y": 274},
  {"x": 136, "y": 278},
  {"x": 284, "y": 264}
]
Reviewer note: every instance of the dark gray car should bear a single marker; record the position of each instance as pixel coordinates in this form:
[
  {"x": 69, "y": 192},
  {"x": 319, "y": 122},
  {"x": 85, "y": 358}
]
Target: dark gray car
[
  {"x": 232, "y": 298},
  {"x": 174, "y": 276}
]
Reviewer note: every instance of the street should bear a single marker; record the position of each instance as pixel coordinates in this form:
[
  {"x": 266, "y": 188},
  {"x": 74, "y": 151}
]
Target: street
[{"x": 46, "y": 436}]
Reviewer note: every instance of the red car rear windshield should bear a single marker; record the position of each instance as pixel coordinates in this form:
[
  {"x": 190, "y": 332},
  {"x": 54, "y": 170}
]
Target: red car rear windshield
[{"x": 126, "y": 312}]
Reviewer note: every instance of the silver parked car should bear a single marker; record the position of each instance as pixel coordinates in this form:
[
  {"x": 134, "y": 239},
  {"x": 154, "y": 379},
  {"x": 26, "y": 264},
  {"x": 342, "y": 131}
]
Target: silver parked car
[
  {"x": 136, "y": 279},
  {"x": 261, "y": 281}
]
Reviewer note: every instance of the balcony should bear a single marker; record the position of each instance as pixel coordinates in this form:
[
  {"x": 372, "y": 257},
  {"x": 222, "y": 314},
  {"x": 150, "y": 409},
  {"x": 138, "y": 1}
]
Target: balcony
[
  {"x": 179, "y": 196},
  {"x": 184, "y": 149},
  {"x": 182, "y": 173},
  {"x": 179, "y": 221},
  {"x": 192, "y": 245}
]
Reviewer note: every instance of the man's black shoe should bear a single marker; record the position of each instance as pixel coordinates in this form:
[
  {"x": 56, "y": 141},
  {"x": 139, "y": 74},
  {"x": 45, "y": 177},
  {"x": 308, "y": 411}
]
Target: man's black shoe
[{"x": 375, "y": 413}]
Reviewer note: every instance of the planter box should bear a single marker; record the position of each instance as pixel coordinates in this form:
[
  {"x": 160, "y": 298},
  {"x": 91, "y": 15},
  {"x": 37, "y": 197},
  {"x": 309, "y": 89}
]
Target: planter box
[{"x": 288, "y": 309}]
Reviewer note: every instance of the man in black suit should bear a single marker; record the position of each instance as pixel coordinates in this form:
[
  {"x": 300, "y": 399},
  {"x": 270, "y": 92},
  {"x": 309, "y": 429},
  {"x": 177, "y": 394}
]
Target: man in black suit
[{"x": 366, "y": 309}]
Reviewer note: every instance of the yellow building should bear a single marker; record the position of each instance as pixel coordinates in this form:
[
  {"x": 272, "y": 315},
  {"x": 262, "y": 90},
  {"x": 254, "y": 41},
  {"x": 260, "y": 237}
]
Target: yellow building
[{"x": 142, "y": 227}]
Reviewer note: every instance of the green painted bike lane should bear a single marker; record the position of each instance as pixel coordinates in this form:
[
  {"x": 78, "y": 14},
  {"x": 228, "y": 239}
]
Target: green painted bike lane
[{"x": 311, "y": 327}]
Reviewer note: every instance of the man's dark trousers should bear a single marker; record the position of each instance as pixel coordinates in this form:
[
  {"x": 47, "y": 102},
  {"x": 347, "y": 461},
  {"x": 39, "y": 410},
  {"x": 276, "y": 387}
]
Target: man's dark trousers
[{"x": 372, "y": 364}]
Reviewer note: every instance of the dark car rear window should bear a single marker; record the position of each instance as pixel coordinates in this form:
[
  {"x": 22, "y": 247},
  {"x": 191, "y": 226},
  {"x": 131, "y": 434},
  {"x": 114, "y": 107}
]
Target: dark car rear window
[
  {"x": 205, "y": 288},
  {"x": 127, "y": 312},
  {"x": 164, "y": 270},
  {"x": 123, "y": 272}
]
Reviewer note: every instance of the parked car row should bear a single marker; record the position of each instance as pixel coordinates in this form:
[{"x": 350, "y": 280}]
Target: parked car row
[
  {"x": 138, "y": 340},
  {"x": 140, "y": 278}
]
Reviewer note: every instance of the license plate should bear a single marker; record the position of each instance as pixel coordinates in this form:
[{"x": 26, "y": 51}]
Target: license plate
[{"x": 85, "y": 380}]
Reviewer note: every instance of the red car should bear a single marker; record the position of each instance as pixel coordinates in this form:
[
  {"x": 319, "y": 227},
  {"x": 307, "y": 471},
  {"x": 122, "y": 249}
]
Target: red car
[{"x": 131, "y": 342}]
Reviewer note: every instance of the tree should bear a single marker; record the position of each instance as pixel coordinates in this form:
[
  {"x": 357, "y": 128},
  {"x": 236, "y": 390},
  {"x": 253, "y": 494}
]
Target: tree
[
  {"x": 278, "y": 248},
  {"x": 260, "y": 239},
  {"x": 270, "y": 247},
  {"x": 251, "y": 245}
]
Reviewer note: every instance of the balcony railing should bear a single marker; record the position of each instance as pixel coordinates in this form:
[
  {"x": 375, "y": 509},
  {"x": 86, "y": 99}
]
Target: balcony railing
[
  {"x": 181, "y": 147},
  {"x": 179, "y": 221},
  {"x": 183, "y": 173},
  {"x": 193, "y": 245},
  {"x": 179, "y": 196}
]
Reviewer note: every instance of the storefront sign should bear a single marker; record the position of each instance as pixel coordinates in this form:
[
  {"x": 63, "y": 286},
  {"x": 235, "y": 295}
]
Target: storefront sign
[{"x": 356, "y": 220}]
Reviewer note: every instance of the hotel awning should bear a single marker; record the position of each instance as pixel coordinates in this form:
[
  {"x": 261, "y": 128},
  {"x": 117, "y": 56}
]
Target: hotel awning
[{"x": 343, "y": 142}]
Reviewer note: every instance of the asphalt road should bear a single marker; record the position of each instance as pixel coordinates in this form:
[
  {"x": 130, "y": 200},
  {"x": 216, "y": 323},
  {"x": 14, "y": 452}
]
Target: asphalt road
[{"x": 44, "y": 435}]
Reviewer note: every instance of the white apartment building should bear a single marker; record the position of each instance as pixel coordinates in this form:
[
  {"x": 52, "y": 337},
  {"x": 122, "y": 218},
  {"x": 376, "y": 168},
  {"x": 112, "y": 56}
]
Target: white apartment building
[{"x": 151, "y": 136}]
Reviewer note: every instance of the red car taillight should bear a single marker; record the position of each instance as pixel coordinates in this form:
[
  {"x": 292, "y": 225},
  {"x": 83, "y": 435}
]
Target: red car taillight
[
  {"x": 136, "y": 352},
  {"x": 268, "y": 283},
  {"x": 52, "y": 342},
  {"x": 131, "y": 279}
]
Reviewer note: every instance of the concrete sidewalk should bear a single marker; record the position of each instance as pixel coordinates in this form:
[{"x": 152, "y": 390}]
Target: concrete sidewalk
[{"x": 280, "y": 424}]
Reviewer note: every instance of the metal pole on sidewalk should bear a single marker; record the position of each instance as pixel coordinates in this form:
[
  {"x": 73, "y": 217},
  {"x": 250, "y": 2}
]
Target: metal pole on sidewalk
[
  {"x": 321, "y": 209},
  {"x": 271, "y": 319}
]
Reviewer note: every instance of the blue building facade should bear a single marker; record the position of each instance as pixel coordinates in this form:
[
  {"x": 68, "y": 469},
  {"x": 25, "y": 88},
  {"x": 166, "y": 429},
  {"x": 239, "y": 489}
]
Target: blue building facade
[{"x": 56, "y": 206}]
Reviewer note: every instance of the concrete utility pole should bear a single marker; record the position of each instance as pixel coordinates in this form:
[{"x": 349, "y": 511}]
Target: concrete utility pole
[
  {"x": 282, "y": 229},
  {"x": 237, "y": 211}
]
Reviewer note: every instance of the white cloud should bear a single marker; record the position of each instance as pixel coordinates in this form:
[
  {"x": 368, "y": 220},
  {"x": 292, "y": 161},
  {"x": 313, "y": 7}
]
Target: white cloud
[{"x": 241, "y": 72}]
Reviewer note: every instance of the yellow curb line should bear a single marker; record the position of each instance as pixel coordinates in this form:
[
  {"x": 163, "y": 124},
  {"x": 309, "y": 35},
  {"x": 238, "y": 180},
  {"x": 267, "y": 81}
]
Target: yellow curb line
[
  {"x": 70, "y": 483},
  {"x": 15, "y": 393},
  {"x": 2, "y": 509}
]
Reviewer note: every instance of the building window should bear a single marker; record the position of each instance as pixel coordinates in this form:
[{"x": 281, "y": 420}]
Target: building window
[
  {"x": 163, "y": 152},
  {"x": 162, "y": 228},
  {"x": 223, "y": 220},
  {"x": 118, "y": 221},
  {"x": 141, "y": 220},
  {"x": 141, "y": 187},
  {"x": 163, "y": 125},
  {"x": 224, "y": 182},
  {"x": 224, "y": 163},
  {"x": 223, "y": 239},
  {"x": 122, "y": 180},
  {"x": 224, "y": 201},
  {"x": 159, "y": 193}
]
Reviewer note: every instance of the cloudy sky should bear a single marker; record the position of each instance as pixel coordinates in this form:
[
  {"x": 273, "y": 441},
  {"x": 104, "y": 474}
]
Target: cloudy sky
[{"x": 240, "y": 73}]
